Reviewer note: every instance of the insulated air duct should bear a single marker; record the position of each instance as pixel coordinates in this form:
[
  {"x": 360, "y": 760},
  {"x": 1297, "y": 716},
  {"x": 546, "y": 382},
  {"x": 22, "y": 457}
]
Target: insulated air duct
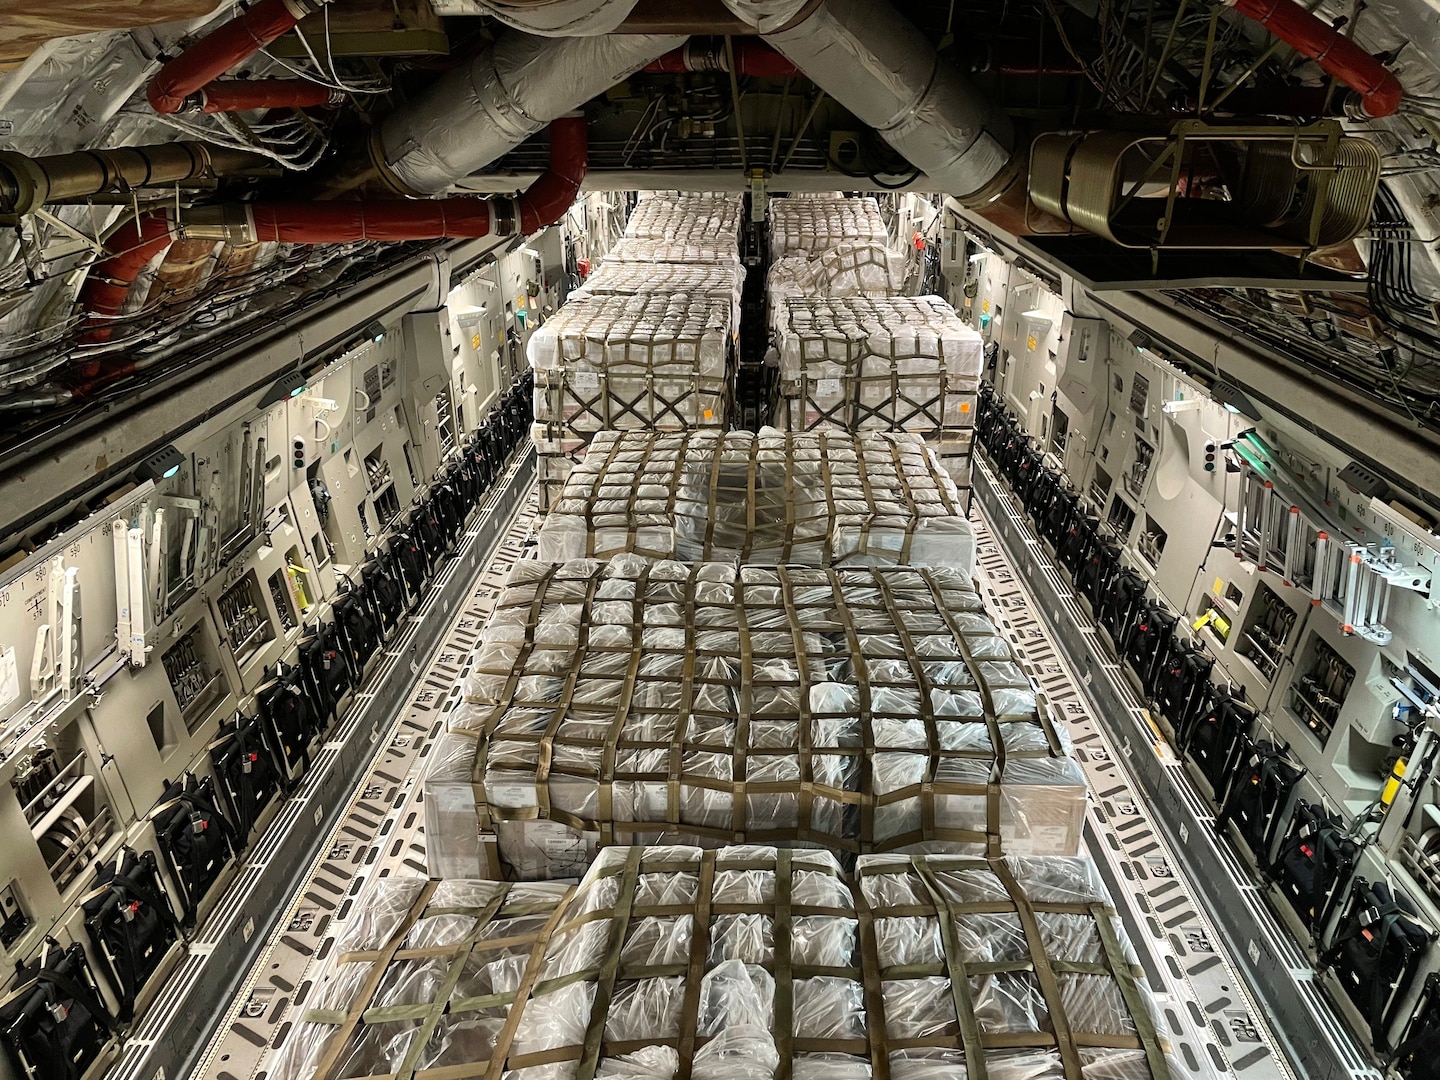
[
  {"x": 476, "y": 114},
  {"x": 1380, "y": 91},
  {"x": 219, "y": 51},
  {"x": 877, "y": 64},
  {"x": 133, "y": 245},
  {"x": 28, "y": 183},
  {"x": 240, "y": 95}
]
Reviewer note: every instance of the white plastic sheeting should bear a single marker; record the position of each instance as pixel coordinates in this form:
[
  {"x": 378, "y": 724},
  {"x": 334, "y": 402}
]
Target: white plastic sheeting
[
  {"x": 681, "y": 219},
  {"x": 811, "y": 498},
  {"x": 850, "y": 268},
  {"x": 711, "y": 280},
  {"x": 905, "y": 363},
  {"x": 809, "y": 227},
  {"x": 638, "y": 698},
  {"x": 632, "y": 249}
]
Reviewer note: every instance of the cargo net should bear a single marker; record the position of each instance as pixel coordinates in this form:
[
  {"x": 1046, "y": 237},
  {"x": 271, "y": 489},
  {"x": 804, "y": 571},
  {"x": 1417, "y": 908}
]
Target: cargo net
[
  {"x": 629, "y": 249},
  {"x": 421, "y": 981},
  {"x": 898, "y": 363},
  {"x": 743, "y": 963},
  {"x": 851, "y": 268},
  {"x": 809, "y": 226},
  {"x": 813, "y": 498},
  {"x": 687, "y": 217},
  {"x": 723, "y": 281},
  {"x": 860, "y": 709},
  {"x": 638, "y": 362},
  {"x": 751, "y": 963}
]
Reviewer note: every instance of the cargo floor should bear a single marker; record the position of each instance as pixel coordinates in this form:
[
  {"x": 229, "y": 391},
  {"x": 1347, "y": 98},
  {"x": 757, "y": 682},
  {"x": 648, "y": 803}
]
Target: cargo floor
[{"x": 1217, "y": 1030}]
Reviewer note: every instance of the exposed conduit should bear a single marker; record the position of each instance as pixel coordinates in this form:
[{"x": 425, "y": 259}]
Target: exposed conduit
[
  {"x": 240, "y": 95},
  {"x": 476, "y": 114},
  {"x": 192, "y": 72},
  {"x": 877, "y": 64},
  {"x": 1380, "y": 91},
  {"x": 752, "y": 57},
  {"x": 139, "y": 241}
]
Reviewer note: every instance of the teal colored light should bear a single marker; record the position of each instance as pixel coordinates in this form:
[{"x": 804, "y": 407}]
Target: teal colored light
[
  {"x": 170, "y": 472},
  {"x": 298, "y": 390}
]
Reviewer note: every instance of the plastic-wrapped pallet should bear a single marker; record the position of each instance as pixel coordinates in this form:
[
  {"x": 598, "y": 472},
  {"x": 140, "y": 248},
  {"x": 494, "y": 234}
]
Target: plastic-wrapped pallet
[
  {"x": 812, "y": 225},
  {"x": 822, "y": 498},
  {"x": 629, "y": 249},
  {"x": 686, "y": 217},
  {"x": 422, "y": 977},
  {"x": 863, "y": 709},
  {"x": 652, "y": 362},
  {"x": 712, "y": 280},
  {"x": 852, "y": 268},
  {"x": 749, "y": 963}
]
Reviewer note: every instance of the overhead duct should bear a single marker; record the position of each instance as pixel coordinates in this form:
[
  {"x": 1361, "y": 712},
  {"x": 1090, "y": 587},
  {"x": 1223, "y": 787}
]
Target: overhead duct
[
  {"x": 139, "y": 241},
  {"x": 476, "y": 114},
  {"x": 27, "y": 183},
  {"x": 752, "y": 57},
  {"x": 1379, "y": 90},
  {"x": 879, "y": 66},
  {"x": 559, "y": 18},
  {"x": 236, "y": 41}
]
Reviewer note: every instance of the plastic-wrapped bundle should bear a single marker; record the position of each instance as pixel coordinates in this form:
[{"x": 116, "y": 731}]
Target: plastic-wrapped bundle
[
  {"x": 900, "y": 362},
  {"x": 818, "y": 498},
  {"x": 865, "y": 709},
  {"x": 747, "y": 962},
  {"x": 851, "y": 268},
  {"x": 651, "y": 362},
  {"x": 682, "y": 218},
  {"x": 629, "y": 249},
  {"x": 422, "y": 977},
  {"x": 812, "y": 225},
  {"x": 711, "y": 280}
]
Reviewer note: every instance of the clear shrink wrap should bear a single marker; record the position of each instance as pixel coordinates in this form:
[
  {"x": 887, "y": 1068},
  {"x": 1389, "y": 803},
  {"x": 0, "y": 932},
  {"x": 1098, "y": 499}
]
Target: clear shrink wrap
[
  {"x": 810, "y": 226},
  {"x": 905, "y": 363},
  {"x": 862, "y": 709},
  {"x": 421, "y": 979},
  {"x": 742, "y": 963},
  {"x": 711, "y": 280},
  {"x": 652, "y": 362},
  {"x": 821, "y": 498},
  {"x": 850, "y": 268},
  {"x": 751, "y": 962},
  {"x": 683, "y": 218},
  {"x": 630, "y": 249}
]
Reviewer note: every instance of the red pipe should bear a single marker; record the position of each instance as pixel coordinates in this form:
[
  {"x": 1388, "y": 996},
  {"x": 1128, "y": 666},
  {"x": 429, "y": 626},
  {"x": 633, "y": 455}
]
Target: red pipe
[
  {"x": 216, "y": 53},
  {"x": 108, "y": 284},
  {"x": 240, "y": 95},
  {"x": 1380, "y": 91},
  {"x": 752, "y": 57},
  {"x": 544, "y": 203}
]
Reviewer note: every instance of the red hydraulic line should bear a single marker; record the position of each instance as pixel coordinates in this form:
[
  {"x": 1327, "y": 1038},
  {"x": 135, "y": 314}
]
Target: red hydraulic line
[
  {"x": 1380, "y": 91},
  {"x": 546, "y": 200},
  {"x": 752, "y": 57},
  {"x": 239, "y": 95},
  {"x": 216, "y": 53},
  {"x": 107, "y": 286}
]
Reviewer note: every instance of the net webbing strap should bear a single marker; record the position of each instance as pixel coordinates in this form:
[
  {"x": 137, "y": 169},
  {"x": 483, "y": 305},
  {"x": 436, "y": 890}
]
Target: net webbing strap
[
  {"x": 784, "y": 1029},
  {"x": 960, "y": 990},
  {"x": 695, "y": 969},
  {"x": 609, "y": 969}
]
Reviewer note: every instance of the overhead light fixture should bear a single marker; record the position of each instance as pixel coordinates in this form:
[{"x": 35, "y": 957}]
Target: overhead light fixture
[
  {"x": 285, "y": 388},
  {"x": 161, "y": 465},
  {"x": 375, "y": 330},
  {"x": 1234, "y": 400}
]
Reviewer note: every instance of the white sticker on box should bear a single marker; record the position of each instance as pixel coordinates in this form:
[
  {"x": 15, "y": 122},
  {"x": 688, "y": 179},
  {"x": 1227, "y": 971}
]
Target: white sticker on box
[
  {"x": 584, "y": 380},
  {"x": 511, "y": 795},
  {"x": 9, "y": 678},
  {"x": 827, "y": 388}
]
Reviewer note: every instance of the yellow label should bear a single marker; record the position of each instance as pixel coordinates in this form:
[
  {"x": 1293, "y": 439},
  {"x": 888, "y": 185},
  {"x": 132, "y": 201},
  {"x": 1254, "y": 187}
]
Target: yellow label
[
  {"x": 1030, "y": 343},
  {"x": 985, "y": 306},
  {"x": 1219, "y": 587},
  {"x": 964, "y": 406},
  {"x": 475, "y": 341},
  {"x": 709, "y": 414}
]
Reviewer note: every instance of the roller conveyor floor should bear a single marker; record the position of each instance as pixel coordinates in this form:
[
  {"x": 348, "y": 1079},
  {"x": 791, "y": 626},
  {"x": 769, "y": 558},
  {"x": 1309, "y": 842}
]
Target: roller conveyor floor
[{"x": 1218, "y": 1031}]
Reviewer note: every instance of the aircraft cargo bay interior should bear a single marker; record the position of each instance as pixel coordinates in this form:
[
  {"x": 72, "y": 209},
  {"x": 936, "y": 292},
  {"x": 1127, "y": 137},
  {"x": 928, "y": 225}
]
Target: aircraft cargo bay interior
[{"x": 757, "y": 539}]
